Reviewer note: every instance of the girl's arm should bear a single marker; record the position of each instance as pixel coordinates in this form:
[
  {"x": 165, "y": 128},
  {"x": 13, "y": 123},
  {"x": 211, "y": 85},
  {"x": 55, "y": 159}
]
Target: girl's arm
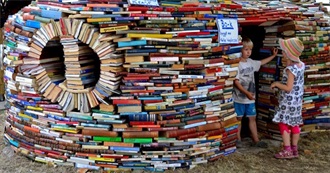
[{"x": 289, "y": 83}]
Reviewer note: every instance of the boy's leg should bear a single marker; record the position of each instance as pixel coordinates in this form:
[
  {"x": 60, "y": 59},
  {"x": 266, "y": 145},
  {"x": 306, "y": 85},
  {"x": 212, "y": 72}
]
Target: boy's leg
[
  {"x": 239, "y": 109},
  {"x": 253, "y": 128},
  {"x": 251, "y": 114},
  {"x": 239, "y": 128}
]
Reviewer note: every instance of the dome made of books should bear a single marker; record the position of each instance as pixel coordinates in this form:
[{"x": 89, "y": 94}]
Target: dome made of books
[{"x": 121, "y": 85}]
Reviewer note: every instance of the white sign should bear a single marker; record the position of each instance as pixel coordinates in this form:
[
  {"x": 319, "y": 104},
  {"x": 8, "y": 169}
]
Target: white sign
[
  {"x": 227, "y": 31},
  {"x": 144, "y": 2}
]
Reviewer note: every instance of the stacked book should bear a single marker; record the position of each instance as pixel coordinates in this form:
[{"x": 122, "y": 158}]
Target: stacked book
[
  {"x": 143, "y": 87},
  {"x": 79, "y": 64},
  {"x": 268, "y": 73}
]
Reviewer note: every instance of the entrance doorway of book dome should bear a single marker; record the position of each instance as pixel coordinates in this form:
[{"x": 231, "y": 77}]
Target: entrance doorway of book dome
[{"x": 256, "y": 34}]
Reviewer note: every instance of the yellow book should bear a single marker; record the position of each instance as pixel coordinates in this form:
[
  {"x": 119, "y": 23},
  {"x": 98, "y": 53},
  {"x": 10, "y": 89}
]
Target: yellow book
[
  {"x": 156, "y": 107},
  {"x": 24, "y": 116},
  {"x": 113, "y": 29},
  {"x": 14, "y": 58},
  {"x": 95, "y": 147},
  {"x": 171, "y": 5},
  {"x": 34, "y": 108},
  {"x": 138, "y": 35},
  {"x": 214, "y": 137},
  {"x": 105, "y": 19},
  {"x": 102, "y": 159},
  {"x": 64, "y": 130}
]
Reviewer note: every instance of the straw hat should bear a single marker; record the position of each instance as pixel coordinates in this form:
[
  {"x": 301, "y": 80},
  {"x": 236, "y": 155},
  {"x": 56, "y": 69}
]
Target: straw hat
[{"x": 292, "y": 47}]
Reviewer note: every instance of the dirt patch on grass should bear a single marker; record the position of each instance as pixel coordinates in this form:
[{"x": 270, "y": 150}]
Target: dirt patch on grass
[{"x": 314, "y": 157}]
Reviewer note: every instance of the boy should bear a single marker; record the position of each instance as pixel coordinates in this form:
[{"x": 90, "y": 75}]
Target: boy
[{"x": 244, "y": 90}]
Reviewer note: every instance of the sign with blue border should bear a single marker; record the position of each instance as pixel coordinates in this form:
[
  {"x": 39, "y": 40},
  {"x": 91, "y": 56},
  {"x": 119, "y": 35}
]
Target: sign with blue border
[{"x": 227, "y": 31}]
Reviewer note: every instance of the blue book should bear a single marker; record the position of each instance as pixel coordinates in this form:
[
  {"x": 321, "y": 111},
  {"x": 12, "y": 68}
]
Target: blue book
[
  {"x": 35, "y": 12},
  {"x": 31, "y": 114},
  {"x": 100, "y": 90},
  {"x": 201, "y": 36},
  {"x": 32, "y": 24},
  {"x": 105, "y": 15},
  {"x": 144, "y": 117},
  {"x": 133, "y": 113},
  {"x": 132, "y": 43},
  {"x": 129, "y": 18},
  {"x": 112, "y": 9},
  {"x": 27, "y": 103},
  {"x": 139, "y": 164},
  {"x": 14, "y": 143},
  {"x": 58, "y": 117},
  {"x": 206, "y": 141},
  {"x": 86, "y": 143},
  {"x": 116, "y": 148},
  {"x": 142, "y": 51},
  {"x": 191, "y": 105},
  {"x": 132, "y": 167},
  {"x": 51, "y": 14},
  {"x": 119, "y": 105},
  {"x": 150, "y": 98},
  {"x": 95, "y": 125},
  {"x": 153, "y": 169},
  {"x": 194, "y": 125},
  {"x": 231, "y": 128}
]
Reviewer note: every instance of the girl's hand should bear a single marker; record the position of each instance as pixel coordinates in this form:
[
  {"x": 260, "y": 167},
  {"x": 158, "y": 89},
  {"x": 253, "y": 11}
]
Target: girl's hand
[
  {"x": 275, "y": 50},
  {"x": 273, "y": 85}
]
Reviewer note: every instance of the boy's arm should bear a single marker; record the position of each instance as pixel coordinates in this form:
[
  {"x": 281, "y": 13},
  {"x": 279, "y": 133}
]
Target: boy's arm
[
  {"x": 243, "y": 90},
  {"x": 266, "y": 60}
]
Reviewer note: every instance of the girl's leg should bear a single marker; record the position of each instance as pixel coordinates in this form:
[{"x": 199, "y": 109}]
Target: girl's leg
[
  {"x": 295, "y": 139},
  {"x": 286, "y": 152}
]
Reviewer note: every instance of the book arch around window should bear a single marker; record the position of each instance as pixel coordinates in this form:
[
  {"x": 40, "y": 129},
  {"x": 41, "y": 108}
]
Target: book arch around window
[
  {"x": 68, "y": 62},
  {"x": 72, "y": 70}
]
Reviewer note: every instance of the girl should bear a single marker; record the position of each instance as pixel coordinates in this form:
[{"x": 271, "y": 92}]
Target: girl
[{"x": 288, "y": 113}]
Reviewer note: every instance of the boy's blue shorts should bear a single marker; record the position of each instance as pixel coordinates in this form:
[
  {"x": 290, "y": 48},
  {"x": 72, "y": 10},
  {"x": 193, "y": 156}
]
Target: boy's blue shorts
[{"x": 245, "y": 109}]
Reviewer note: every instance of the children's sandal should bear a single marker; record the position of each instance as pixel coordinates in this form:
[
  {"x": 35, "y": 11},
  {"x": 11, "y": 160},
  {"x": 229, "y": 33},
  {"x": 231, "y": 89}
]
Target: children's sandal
[
  {"x": 284, "y": 154},
  {"x": 295, "y": 154}
]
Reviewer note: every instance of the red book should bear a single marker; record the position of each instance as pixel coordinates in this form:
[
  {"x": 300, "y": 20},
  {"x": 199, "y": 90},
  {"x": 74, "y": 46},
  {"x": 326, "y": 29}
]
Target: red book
[
  {"x": 136, "y": 78},
  {"x": 162, "y": 128},
  {"x": 132, "y": 8},
  {"x": 142, "y": 75},
  {"x": 146, "y": 126},
  {"x": 67, "y": 122},
  {"x": 120, "y": 101},
  {"x": 152, "y": 101},
  {"x": 141, "y": 123},
  {"x": 187, "y": 9},
  {"x": 62, "y": 157},
  {"x": 192, "y": 33},
  {"x": 142, "y": 15},
  {"x": 213, "y": 70},
  {"x": 192, "y": 135}
]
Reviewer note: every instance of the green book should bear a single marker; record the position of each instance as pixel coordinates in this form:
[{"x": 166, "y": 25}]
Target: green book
[
  {"x": 107, "y": 139},
  {"x": 138, "y": 140},
  {"x": 102, "y": 112},
  {"x": 42, "y": 19}
]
